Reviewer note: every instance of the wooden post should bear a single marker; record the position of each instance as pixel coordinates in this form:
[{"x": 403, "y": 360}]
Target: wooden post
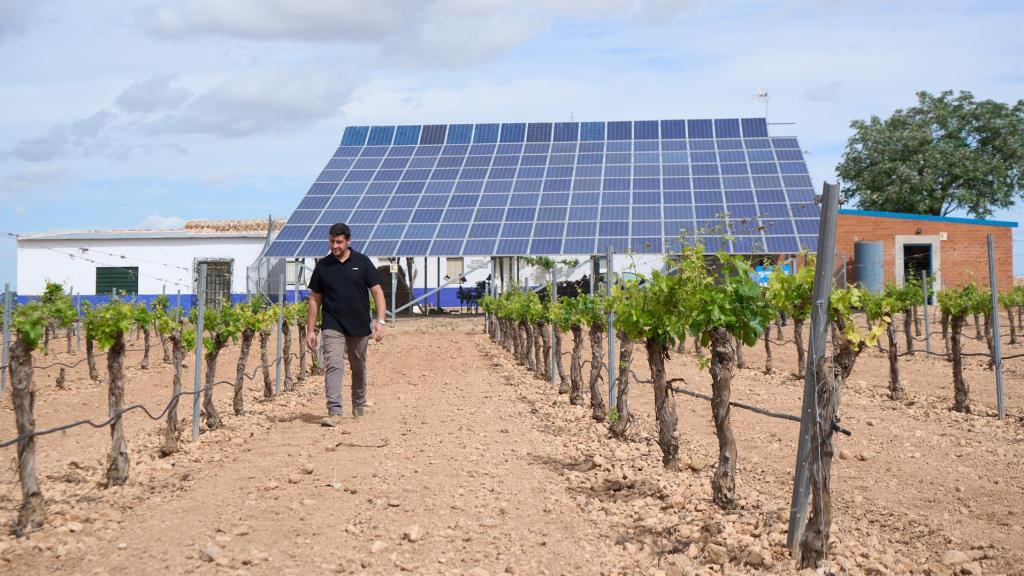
[{"x": 819, "y": 330}]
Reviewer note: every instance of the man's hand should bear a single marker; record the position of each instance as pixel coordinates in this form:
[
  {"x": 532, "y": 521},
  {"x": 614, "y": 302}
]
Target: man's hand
[
  {"x": 378, "y": 331},
  {"x": 311, "y": 340}
]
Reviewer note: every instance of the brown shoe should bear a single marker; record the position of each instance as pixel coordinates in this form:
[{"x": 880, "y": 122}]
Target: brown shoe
[
  {"x": 358, "y": 411},
  {"x": 331, "y": 421}
]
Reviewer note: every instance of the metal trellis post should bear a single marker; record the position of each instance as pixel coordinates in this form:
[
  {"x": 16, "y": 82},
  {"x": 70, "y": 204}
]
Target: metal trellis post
[
  {"x": 554, "y": 328},
  {"x": 280, "y": 334},
  {"x": 816, "y": 350},
  {"x": 78, "y": 317},
  {"x": 201, "y": 295},
  {"x": 7, "y": 336},
  {"x": 997, "y": 356},
  {"x": 394, "y": 289},
  {"x": 609, "y": 277},
  {"x": 927, "y": 327}
]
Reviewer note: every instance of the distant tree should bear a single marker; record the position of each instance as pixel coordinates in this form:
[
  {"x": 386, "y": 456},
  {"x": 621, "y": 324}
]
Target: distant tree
[{"x": 948, "y": 153}]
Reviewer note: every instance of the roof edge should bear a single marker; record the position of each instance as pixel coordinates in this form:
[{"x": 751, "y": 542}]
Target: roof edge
[{"x": 928, "y": 218}]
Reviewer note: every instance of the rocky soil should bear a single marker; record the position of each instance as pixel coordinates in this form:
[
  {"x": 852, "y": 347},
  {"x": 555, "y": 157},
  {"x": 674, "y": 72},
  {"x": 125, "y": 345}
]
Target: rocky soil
[{"x": 468, "y": 464}]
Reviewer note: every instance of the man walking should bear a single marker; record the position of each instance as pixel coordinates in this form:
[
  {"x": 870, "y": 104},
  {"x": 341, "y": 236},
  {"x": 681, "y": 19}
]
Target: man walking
[{"x": 339, "y": 285}]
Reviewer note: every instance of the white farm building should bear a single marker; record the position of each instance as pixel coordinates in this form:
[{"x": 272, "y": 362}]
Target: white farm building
[
  {"x": 95, "y": 264},
  {"x": 143, "y": 263}
]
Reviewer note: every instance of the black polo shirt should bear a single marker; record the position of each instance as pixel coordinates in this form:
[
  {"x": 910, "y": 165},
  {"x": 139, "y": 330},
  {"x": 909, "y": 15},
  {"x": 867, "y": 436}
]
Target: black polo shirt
[{"x": 344, "y": 286}]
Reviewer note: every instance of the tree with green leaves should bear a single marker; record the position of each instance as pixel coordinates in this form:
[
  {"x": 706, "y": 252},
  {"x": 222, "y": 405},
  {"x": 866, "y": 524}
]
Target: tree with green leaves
[
  {"x": 958, "y": 303},
  {"x": 566, "y": 317},
  {"x": 253, "y": 317},
  {"x": 221, "y": 326},
  {"x": 652, "y": 313},
  {"x": 169, "y": 326},
  {"x": 948, "y": 153},
  {"x": 830, "y": 373},
  {"x": 143, "y": 320},
  {"x": 88, "y": 325},
  {"x": 299, "y": 312},
  {"x": 160, "y": 305},
  {"x": 112, "y": 322},
  {"x": 29, "y": 322},
  {"x": 792, "y": 296},
  {"x": 1012, "y": 301},
  {"x": 52, "y": 293},
  {"x": 722, "y": 305},
  {"x": 287, "y": 319},
  {"x": 593, "y": 310},
  {"x": 880, "y": 308}
]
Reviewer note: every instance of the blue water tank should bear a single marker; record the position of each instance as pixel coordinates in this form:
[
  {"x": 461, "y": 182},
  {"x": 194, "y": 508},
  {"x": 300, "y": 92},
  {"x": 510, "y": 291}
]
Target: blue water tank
[{"x": 869, "y": 260}]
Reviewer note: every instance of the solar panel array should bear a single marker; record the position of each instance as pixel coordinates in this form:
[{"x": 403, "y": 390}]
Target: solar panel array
[{"x": 559, "y": 188}]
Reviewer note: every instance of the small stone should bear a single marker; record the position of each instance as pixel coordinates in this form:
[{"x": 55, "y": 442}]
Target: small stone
[
  {"x": 874, "y": 569},
  {"x": 716, "y": 554},
  {"x": 242, "y": 530},
  {"x": 865, "y": 456},
  {"x": 971, "y": 569},
  {"x": 122, "y": 546},
  {"x": 271, "y": 486},
  {"x": 307, "y": 468},
  {"x": 413, "y": 533},
  {"x": 844, "y": 455},
  {"x": 394, "y": 503},
  {"x": 209, "y": 553},
  {"x": 74, "y": 526},
  {"x": 954, "y": 558},
  {"x": 377, "y": 546},
  {"x": 754, "y": 557},
  {"x": 696, "y": 465},
  {"x": 598, "y": 461},
  {"x": 294, "y": 479}
]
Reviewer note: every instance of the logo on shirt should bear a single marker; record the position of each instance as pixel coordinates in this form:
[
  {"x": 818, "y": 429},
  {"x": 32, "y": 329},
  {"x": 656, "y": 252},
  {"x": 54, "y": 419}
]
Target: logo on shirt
[{"x": 355, "y": 268}]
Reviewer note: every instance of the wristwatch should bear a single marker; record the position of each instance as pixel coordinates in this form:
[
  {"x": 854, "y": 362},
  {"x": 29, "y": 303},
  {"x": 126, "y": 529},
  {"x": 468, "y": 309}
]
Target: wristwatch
[{"x": 381, "y": 322}]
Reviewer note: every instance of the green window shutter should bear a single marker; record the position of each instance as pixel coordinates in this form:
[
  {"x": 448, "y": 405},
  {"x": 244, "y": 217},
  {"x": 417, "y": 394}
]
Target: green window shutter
[{"x": 124, "y": 279}]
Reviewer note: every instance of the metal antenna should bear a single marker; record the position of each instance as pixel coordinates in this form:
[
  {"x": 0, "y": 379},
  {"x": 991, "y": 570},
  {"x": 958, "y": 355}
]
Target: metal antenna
[{"x": 762, "y": 95}]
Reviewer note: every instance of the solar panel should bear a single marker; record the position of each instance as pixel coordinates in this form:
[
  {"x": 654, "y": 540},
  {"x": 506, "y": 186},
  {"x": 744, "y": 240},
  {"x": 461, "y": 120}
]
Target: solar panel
[{"x": 544, "y": 188}]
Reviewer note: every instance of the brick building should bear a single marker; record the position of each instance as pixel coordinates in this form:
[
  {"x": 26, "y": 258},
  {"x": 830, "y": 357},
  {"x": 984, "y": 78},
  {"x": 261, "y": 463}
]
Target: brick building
[{"x": 955, "y": 250}]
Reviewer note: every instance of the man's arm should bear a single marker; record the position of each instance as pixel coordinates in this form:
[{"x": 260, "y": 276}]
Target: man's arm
[
  {"x": 315, "y": 301},
  {"x": 378, "y": 302}
]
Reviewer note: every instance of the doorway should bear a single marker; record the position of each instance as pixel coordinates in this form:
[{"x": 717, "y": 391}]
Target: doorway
[
  {"x": 916, "y": 254},
  {"x": 917, "y": 258}
]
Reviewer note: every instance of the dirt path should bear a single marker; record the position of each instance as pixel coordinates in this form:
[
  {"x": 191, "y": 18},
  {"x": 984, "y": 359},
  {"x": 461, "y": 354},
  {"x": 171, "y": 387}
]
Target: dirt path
[{"x": 446, "y": 473}]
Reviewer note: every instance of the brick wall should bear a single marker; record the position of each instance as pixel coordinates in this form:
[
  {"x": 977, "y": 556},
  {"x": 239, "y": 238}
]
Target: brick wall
[{"x": 963, "y": 256}]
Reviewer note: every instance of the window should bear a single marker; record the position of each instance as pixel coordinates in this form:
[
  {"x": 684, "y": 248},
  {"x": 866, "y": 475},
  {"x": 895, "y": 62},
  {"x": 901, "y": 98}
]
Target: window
[
  {"x": 117, "y": 280},
  {"x": 218, "y": 280}
]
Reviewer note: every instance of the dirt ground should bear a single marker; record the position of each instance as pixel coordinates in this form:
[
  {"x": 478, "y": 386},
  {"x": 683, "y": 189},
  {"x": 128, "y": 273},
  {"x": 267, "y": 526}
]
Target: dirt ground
[{"x": 467, "y": 464}]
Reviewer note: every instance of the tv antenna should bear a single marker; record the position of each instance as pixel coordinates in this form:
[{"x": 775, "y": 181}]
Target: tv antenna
[{"x": 762, "y": 95}]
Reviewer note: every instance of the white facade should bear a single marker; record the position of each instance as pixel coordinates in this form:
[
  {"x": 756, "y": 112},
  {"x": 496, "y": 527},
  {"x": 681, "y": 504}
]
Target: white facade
[{"x": 165, "y": 260}]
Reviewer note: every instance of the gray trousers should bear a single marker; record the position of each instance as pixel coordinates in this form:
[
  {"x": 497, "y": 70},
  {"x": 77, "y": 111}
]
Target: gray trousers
[{"x": 336, "y": 347}]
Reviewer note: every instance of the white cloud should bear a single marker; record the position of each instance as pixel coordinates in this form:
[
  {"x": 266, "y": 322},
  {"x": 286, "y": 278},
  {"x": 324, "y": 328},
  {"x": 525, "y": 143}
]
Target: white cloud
[
  {"x": 15, "y": 16},
  {"x": 157, "y": 222},
  {"x": 78, "y": 137},
  {"x": 447, "y": 33},
  {"x": 34, "y": 178},
  {"x": 153, "y": 95},
  {"x": 303, "y": 20},
  {"x": 276, "y": 101}
]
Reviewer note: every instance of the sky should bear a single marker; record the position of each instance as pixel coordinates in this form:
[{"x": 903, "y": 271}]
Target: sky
[{"x": 119, "y": 114}]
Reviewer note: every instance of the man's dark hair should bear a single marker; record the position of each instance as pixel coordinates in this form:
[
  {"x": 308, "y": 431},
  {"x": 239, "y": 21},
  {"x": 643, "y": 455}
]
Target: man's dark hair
[{"x": 340, "y": 229}]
